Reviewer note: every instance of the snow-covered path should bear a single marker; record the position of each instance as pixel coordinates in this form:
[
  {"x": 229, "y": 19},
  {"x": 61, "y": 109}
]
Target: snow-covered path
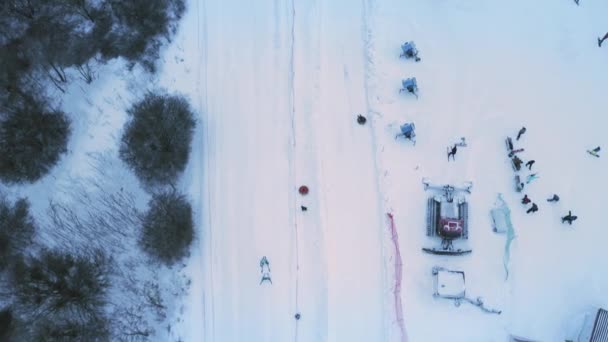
[{"x": 250, "y": 207}]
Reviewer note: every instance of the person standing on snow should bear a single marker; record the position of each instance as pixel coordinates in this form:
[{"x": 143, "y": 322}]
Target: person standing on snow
[
  {"x": 533, "y": 209},
  {"x": 525, "y": 200},
  {"x": 521, "y": 132},
  {"x": 453, "y": 153},
  {"x": 569, "y": 218},
  {"x": 530, "y": 163}
]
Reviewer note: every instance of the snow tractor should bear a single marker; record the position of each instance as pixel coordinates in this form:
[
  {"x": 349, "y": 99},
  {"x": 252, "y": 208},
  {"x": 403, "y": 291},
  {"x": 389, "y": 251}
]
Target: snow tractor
[
  {"x": 447, "y": 218},
  {"x": 408, "y": 131},
  {"x": 410, "y": 85},
  {"x": 409, "y": 51}
]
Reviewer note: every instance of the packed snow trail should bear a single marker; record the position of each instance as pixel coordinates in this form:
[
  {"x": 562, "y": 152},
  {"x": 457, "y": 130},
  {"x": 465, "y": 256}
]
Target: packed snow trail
[
  {"x": 352, "y": 223},
  {"x": 283, "y": 82},
  {"x": 249, "y": 154}
]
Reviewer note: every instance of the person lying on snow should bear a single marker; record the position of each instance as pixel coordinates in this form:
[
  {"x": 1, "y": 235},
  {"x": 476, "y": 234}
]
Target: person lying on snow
[
  {"x": 569, "y": 218},
  {"x": 532, "y": 209},
  {"x": 521, "y": 132}
]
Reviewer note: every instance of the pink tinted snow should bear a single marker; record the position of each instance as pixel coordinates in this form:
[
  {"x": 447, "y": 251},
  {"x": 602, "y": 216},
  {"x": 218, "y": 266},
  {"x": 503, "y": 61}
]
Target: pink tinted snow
[{"x": 398, "y": 271}]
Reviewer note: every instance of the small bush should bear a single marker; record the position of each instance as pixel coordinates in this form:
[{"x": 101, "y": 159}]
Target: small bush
[
  {"x": 156, "y": 142},
  {"x": 16, "y": 230},
  {"x": 167, "y": 227},
  {"x": 61, "y": 287},
  {"x": 32, "y": 138},
  {"x": 141, "y": 27}
]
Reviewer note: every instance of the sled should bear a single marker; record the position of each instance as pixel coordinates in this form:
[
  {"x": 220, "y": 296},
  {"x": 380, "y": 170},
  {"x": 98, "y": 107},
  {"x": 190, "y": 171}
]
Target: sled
[
  {"x": 449, "y": 284},
  {"x": 509, "y": 143},
  {"x": 513, "y": 152},
  {"x": 410, "y": 85}
]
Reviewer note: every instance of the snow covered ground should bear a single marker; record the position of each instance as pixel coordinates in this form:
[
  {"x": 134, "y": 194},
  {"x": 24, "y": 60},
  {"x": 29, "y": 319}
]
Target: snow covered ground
[{"x": 278, "y": 85}]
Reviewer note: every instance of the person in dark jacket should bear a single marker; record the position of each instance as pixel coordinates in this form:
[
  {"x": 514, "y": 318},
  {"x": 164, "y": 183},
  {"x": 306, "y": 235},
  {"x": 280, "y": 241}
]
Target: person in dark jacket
[
  {"x": 521, "y": 132},
  {"x": 533, "y": 209},
  {"x": 525, "y": 200},
  {"x": 530, "y": 163},
  {"x": 453, "y": 153},
  {"x": 516, "y": 163},
  {"x": 569, "y": 218},
  {"x": 600, "y": 41},
  {"x": 555, "y": 198}
]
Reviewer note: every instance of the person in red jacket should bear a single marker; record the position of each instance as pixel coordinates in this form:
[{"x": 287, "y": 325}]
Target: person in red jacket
[{"x": 525, "y": 200}]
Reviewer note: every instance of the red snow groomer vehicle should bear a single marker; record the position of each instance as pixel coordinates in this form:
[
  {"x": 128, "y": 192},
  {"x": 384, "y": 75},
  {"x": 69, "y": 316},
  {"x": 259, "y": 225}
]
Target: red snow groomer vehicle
[{"x": 447, "y": 218}]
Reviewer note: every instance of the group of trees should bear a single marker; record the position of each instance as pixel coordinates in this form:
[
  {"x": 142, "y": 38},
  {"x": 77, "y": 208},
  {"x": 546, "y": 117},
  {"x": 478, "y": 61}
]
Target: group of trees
[
  {"x": 45, "y": 42},
  {"x": 156, "y": 146},
  {"x": 50, "y": 292},
  {"x": 32, "y": 139},
  {"x": 52, "y": 295},
  {"x": 49, "y": 36}
]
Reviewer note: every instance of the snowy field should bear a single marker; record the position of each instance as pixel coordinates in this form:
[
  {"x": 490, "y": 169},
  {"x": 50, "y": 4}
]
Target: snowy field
[{"x": 278, "y": 85}]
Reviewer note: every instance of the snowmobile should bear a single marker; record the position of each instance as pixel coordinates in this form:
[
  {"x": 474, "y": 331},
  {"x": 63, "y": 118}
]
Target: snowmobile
[
  {"x": 451, "y": 285},
  {"x": 265, "y": 270},
  {"x": 410, "y": 85},
  {"x": 410, "y": 51},
  {"x": 447, "y": 219},
  {"x": 408, "y": 131}
]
